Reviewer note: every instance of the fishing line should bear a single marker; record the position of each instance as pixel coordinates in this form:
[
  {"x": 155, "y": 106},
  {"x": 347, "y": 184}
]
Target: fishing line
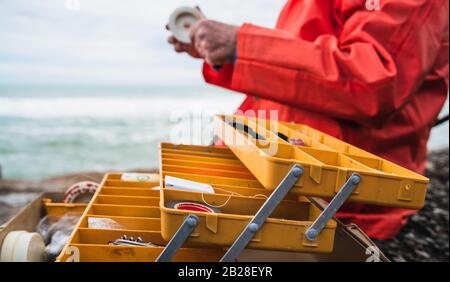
[{"x": 231, "y": 194}]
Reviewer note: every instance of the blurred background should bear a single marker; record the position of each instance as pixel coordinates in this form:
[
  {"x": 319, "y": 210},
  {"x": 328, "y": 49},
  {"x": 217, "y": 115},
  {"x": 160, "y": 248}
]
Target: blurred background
[{"x": 92, "y": 85}]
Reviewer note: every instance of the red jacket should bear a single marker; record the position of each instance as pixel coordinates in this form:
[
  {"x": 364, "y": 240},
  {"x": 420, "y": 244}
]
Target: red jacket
[{"x": 374, "y": 78}]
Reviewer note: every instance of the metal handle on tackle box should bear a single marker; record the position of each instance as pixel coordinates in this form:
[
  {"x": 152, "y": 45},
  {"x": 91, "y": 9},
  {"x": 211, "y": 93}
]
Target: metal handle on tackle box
[
  {"x": 177, "y": 241},
  {"x": 264, "y": 212},
  {"x": 330, "y": 211}
]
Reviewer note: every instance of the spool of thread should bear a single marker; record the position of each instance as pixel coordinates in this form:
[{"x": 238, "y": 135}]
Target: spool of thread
[
  {"x": 182, "y": 20},
  {"x": 192, "y": 207},
  {"x": 80, "y": 192}
]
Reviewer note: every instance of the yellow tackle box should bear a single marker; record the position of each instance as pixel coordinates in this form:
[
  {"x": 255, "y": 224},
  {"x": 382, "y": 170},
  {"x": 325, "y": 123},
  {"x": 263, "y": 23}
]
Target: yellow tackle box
[
  {"x": 133, "y": 207},
  {"x": 265, "y": 148},
  {"x": 237, "y": 198}
]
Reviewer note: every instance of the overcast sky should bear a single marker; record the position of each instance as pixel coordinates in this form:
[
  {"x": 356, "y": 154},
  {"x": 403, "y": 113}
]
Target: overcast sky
[{"x": 106, "y": 41}]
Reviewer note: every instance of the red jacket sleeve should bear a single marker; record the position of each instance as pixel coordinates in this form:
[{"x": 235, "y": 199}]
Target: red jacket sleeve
[
  {"x": 221, "y": 77},
  {"x": 365, "y": 74}
]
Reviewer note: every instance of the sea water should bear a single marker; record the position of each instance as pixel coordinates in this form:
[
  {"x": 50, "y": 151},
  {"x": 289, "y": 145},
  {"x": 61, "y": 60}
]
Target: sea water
[{"x": 47, "y": 131}]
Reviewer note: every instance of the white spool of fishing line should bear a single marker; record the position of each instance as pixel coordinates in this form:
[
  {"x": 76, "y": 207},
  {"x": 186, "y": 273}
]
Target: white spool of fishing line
[{"x": 182, "y": 20}]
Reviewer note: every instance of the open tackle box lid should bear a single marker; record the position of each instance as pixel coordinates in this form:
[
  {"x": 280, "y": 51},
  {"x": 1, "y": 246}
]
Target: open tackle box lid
[{"x": 269, "y": 149}]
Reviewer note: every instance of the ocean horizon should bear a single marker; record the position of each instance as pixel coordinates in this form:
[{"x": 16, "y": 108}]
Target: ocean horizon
[{"x": 47, "y": 131}]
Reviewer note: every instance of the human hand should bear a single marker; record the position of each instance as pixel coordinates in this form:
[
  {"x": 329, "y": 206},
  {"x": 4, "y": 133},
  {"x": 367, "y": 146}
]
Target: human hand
[
  {"x": 214, "y": 41},
  {"x": 181, "y": 47}
]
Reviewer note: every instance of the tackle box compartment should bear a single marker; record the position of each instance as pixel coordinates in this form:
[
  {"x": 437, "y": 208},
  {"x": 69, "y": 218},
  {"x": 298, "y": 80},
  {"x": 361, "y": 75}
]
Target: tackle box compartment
[
  {"x": 283, "y": 231},
  {"x": 133, "y": 207}
]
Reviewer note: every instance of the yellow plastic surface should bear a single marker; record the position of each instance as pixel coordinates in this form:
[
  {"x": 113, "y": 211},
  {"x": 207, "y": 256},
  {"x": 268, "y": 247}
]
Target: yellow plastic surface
[
  {"x": 60, "y": 209},
  {"x": 285, "y": 229},
  {"x": 134, "y": 207},
  {"x": 221, "y": 181},
  {"x": 327, "y": 162}
]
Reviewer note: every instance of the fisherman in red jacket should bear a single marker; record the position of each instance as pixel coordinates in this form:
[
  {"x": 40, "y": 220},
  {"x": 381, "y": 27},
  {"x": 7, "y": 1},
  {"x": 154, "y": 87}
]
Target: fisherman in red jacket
[{"x": 372, "y": 73}]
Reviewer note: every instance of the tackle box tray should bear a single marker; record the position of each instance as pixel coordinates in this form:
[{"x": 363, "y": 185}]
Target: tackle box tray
[
  {"x": 265, "y": 148},
  {"x": 133, "y": 206},
  {"x": 235, "y": 201},
  {"x": 219, "y": 169},
  {"x": 283, "y": 231},
  {"x": 58, "y": 209}
]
